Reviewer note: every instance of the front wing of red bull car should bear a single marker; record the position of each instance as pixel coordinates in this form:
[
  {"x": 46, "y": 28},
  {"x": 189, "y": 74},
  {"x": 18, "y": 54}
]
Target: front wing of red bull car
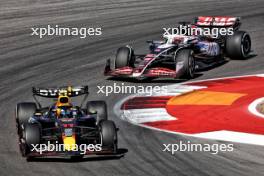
[{"x": 74, "y": 133}]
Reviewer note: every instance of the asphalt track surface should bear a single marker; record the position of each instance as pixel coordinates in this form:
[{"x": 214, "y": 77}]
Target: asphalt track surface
[{"x": 27, "y": 60}]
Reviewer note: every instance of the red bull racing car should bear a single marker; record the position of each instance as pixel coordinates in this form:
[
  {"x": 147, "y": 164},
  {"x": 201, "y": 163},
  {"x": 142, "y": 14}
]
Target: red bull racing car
[
  {"x": 64, "y": 129},
  {"x": 180, "y": 56}
]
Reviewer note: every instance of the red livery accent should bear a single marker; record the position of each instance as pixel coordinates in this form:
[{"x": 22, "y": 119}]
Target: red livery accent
[
  {"x": 215, "y": 21},
  {"x": 122, "y": 71},
  {"x": 159, "y": 71}
]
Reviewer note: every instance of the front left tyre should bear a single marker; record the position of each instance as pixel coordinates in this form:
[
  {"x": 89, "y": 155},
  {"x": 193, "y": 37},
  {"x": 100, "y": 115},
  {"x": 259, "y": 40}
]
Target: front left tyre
[
  {"x": 124, "y": 57},
  {"x": 23, "y": 112}
]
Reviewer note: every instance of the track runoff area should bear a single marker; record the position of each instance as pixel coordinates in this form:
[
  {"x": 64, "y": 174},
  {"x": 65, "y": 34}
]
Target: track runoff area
[{"x": 227, "y": 109}]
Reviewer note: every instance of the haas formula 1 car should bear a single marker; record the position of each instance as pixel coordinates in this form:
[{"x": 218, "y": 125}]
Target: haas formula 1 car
[
  {"x": 64, "y": 129},
  {"x": 179, "y": 56}
]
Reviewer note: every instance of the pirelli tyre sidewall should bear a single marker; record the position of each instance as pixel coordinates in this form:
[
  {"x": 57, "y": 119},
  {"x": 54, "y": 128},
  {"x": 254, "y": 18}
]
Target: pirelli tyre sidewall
[
  {"x": 31, "y": 135},
  {"x": 124, "y": 57},
  {"x": 108, "y": 132},
  {"x": 238, "y": 46},
  {"x": 185, "y": 64}
]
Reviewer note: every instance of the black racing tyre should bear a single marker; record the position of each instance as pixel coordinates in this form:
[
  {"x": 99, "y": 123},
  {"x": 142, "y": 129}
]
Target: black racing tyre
[
  {"x": 124, "y": 57},
  {"x": 98, "y": 107},
  {"x": 185, "y": 64},
  {"x": 238, "y": 46},
  {"x": 24, "y": 111},
  {"x": 109, "y": 134},
  {"x": 31, "y": 136}
]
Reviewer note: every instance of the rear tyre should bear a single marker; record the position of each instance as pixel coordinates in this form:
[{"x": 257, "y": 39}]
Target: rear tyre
[
  {"x": 238, "y": 46},
  {"x": 99, "y": 108},
  {"x": 23, "y": 112},
  {"x": 124, "y": 57},
  {"x": 109, "y": 135},
  {"x": 185, "y": 64}
]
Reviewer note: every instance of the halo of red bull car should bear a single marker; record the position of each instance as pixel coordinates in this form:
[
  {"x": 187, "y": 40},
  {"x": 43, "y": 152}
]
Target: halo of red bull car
[{"x": 180, "y": 56}]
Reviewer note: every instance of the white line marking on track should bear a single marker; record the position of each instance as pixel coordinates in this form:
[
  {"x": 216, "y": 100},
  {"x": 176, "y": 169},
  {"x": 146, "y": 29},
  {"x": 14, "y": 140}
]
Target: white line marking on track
[{"x": 147, "y": 115}]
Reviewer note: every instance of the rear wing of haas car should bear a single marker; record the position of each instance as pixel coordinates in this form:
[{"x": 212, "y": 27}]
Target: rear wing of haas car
[
  {"x": 55, "y": 92},
  {"x": 217, "y": 21}
]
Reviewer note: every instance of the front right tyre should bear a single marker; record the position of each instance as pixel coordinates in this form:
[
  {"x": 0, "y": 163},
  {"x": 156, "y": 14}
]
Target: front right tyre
[{"x": 108, "y": 132}]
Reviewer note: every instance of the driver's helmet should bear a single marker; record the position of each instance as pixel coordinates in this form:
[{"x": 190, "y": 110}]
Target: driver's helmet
[{"x": 63, "y": 107}]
